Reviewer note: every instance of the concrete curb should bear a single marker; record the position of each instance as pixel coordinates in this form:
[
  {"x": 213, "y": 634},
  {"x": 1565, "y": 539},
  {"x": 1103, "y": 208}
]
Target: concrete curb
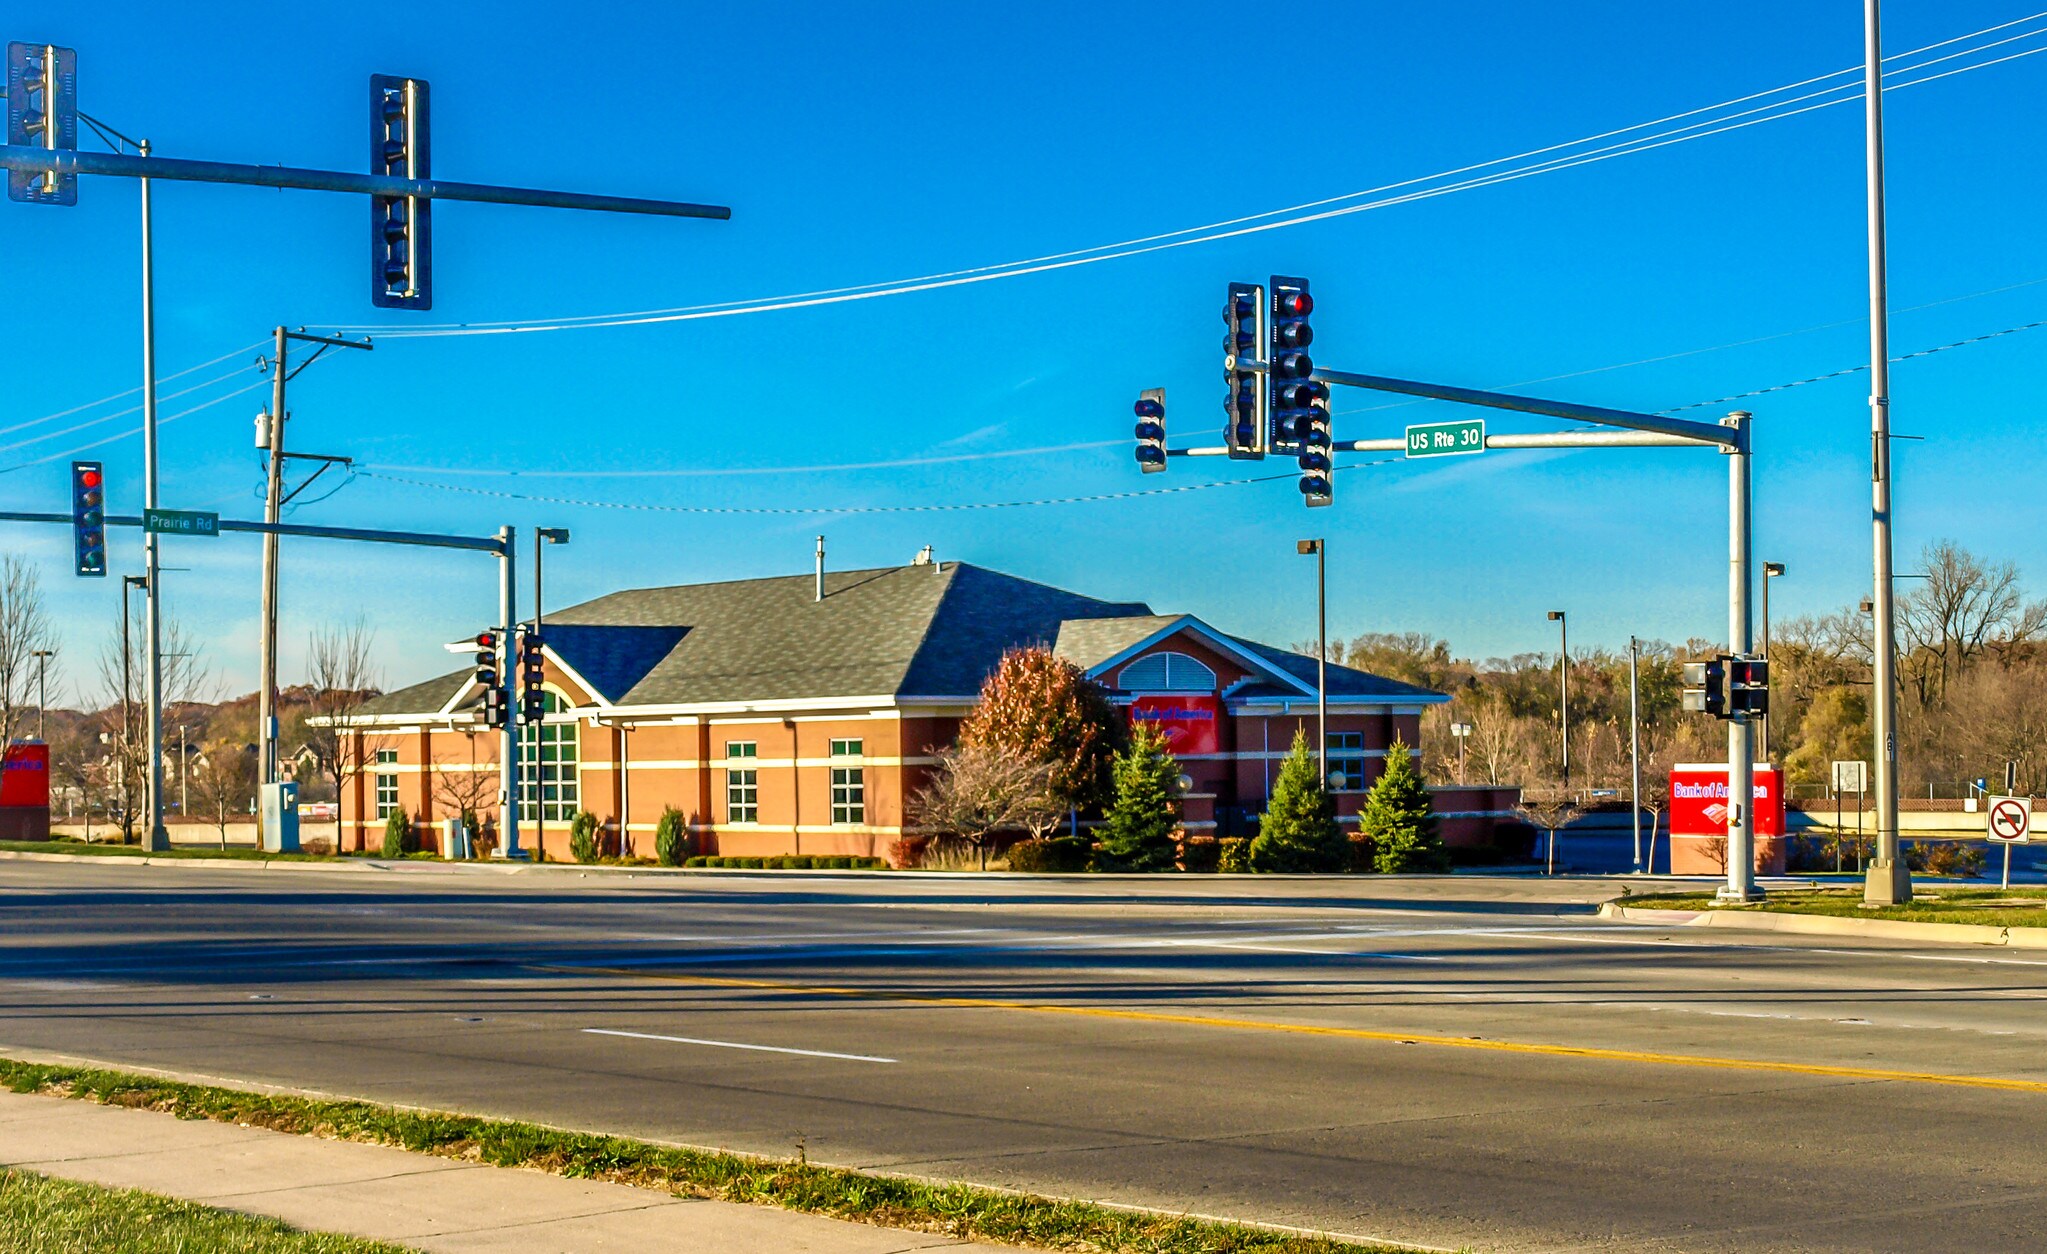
[{"x": 1830, "y": 925}]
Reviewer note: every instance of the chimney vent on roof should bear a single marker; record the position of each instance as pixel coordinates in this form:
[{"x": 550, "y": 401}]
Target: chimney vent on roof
[
  {"x": 820, "y": 568},
  {"x": 923, "y": 557}
]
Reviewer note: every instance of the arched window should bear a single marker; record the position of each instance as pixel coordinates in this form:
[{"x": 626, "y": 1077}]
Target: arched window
[
  {"x": 547, "y": 766},
  {"x": 1166, "y": 672}
]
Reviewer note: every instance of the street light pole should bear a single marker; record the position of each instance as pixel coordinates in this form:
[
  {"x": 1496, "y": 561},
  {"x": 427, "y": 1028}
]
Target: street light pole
[
  {"x": 1462, "y": 731},
  {"x": 1635, "y": 743},
  {"x": 128, "y": 584},
  {"x": 542, "y": 537},
  {"x": 1321, "y": 654},
  {"x": 1564, "y": 689},
  {"x": 1887, "y": 881},
  {"x": 1770, "y": 571},
  {"x": 42, "y": 657},
  {"x": 154, "y": 837}
]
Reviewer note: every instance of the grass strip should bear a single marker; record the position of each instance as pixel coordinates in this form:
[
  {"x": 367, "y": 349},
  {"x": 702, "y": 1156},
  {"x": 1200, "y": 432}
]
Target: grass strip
[
  {"x": 1992, "y": 907},
  {"x": 39, "y": 1215},
  {"x": 98, "y": 850},
  {"x": 957, "y": 1210}
]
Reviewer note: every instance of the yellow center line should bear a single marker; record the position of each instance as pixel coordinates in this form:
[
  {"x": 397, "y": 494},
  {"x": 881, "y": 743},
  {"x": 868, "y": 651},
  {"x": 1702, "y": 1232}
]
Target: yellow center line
[{"x": 1308, "y": 1029}]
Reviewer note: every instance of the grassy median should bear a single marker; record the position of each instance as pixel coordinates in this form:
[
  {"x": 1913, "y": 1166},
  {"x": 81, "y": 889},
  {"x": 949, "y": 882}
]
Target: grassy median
[
  {"x": 97, "y": 849},
  {"x": 957, "y": 1210},
  {"x": 1994, "y": 907},
  {"x": 39, "y": 1215}
]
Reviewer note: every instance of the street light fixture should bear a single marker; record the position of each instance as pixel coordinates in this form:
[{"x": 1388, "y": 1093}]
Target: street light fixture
[
  {"x": 1771, "y": 570},
  {"x": 42, "y": 657},
  {"x": 1316, "y": 547},
  {"x": 1564, "y": 689},
  {"x": 1463, "y": 733}
]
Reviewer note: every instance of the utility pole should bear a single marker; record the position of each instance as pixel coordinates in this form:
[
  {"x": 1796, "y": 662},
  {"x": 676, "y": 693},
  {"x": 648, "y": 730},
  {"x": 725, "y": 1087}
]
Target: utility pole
[
  {"x": 154, "y": 836},
  {"x": 42, "y": 657},
  {"x": 270, "y": 435},
  {"x": 1318, "y": 548},
  {"x": 1564, "y": 689},
  {"x": 1635, "y": 743},
  {"x": 1887, "y": 880}
]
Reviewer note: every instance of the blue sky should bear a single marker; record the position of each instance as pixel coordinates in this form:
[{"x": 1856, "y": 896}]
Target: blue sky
[{"x": 863, "y": 145}]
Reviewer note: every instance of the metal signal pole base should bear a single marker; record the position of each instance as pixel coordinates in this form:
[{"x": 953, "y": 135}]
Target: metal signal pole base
[{"x": 1886, "y": 882}]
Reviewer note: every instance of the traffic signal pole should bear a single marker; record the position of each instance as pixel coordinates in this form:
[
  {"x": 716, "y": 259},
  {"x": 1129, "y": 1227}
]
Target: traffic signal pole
[
  {"x": 154, "y": 837},
  {"x": 508, "y": 680},
  {"x": 1625, "y": 429}
]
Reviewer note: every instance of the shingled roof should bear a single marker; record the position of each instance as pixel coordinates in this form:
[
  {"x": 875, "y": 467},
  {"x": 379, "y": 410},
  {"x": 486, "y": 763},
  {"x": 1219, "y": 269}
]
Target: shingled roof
[{"x": 924, "y": 630}]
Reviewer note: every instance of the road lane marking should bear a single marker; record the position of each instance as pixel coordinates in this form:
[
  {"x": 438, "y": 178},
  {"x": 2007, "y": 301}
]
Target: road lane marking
[
  {"x": 765, "y": 1049},
  {"x": 1307, "y": 1029}
]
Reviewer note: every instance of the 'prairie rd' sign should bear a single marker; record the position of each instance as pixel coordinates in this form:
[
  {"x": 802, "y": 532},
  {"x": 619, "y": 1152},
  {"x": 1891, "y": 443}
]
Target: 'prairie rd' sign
[
  {"x": 181, "y": 522},
  {"x": 1442, "y": 439}
]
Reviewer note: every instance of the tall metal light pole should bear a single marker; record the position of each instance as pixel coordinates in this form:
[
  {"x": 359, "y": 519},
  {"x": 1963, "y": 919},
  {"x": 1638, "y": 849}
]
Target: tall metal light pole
[
  {"x": 128, "y": 584},
  {"x": 1770, "y": 571},
  {"x": 1564, "y": 688},
  {"x": 1321, "y": 654},
  {"x": 154, "y": 837},
  {"x": 42, "y": 657},
  {"x": 1887, "y": 881},
  {"x": 1741, "y": 760},
  {"x": 1635, "y": 743},
  {"x": 542, "y": 537}
]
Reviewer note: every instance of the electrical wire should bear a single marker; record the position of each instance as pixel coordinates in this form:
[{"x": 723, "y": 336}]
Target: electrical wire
[
  {"x": 119, "y": 413},
  {"x": 1720, "y": 125},
  {"x": 717, "y": 472},
  {"x": 79, "y": 409}
]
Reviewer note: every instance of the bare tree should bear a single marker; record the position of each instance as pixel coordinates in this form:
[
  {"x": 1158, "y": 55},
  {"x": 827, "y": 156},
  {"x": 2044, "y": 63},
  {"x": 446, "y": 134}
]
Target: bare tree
[
  {"x": 124, "y": 718},
  {"x": 465, "y": 786},
  {"x": 1964, "y": 607},
  {"x": 342, "y": 676},
  {"x": 24, "y": 631},
  {"x": 1551, "y": 812},
  {"x": 224, "y": 784},
  {"x": 978, "y": 791}
]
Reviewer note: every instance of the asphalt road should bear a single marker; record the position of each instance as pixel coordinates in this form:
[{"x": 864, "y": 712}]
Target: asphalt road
[{"x": 1455, "y": 1063}]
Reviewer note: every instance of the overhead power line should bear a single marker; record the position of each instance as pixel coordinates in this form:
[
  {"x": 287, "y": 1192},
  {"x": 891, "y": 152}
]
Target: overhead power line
[{"x": 1842, "y": 93}]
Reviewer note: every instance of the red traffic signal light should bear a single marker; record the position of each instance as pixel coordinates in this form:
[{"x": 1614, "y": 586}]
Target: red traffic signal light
[{"x": 1296, "y": 304}]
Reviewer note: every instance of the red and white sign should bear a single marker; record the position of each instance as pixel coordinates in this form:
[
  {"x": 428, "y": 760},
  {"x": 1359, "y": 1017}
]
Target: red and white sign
[
  {"x": 25, "y": 775},
  {"x": 2011, "y": 820},
  {"x": 1190, "y": 723},
  {"x": 1698, "y": 801}
]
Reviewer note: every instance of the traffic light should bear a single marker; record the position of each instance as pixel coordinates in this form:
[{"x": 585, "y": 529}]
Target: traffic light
[
  {"x": 1748, "y": 686},
  {"x": 42, "y": 112},
  {"x": 1151, "y": 429},
  {"x": 1289, "y": 390},
  {"x": 89, "y": 517},
  {"x": 487, "y": 676},
  {"x": 1244, "y": 408},
  {"x": 401, "y": 227},
  {"x": 1317, "y": 472},
  {"x": 1706, "y": 687},
  {"x": 532, "y": 679}
]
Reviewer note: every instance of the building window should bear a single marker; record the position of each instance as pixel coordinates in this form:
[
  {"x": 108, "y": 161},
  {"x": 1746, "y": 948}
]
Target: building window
[
  {"x": 547, "y": 766},
  {"x": 742, "y": 784},
  {"x": 849, "y": 784},
  {"x": 1346, "y": 761},
  {"x": 1166, "y": 672},
  {"x": 387, "y": 784}
]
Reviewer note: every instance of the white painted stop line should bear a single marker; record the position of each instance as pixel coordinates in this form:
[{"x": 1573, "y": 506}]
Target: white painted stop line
[{"x": 765, "y": 1049}]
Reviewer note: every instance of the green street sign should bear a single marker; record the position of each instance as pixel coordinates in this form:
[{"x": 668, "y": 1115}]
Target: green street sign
[
  {"x": 181, "y": 522},
  {"x": 1441, "y": 439}
]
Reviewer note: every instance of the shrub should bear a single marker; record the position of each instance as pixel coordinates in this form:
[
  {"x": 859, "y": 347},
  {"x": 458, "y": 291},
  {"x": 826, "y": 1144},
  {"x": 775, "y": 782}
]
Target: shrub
[
  {"x": 1059, "y": 855},
  {"x": 318, "y": 846},
  {"x": 840, "y": 862},
  {"x": 1233, "y": 855},
  {"x": 1138, "y": 834},
  {"x": 672, "y": 838},
  {"x": 698, "y": 860},
  {"x": 583, "y": 837},
  {"x": 1945, "y": 857},
  {"x": 1298, "y": 833},
  {"x": 908, "y": 852},
  {"x": 1398, "y": 818},
  {"x": 747, "y": 864},
  {"x": 1200, "y": 855},
  {"x": 397, "y": 828}
]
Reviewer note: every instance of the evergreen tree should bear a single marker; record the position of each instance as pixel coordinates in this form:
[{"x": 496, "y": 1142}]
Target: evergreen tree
[
  {"x": 1398, "y": 818},
  {"x": 1144, "y": 813},
  {"x": 1298, "y": 831}
]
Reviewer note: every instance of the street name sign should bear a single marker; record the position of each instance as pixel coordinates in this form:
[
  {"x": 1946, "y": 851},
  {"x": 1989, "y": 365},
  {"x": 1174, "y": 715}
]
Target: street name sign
[
  {"x": 181, "y": 522},
  {"x": 1442, "y": 439},
  {"x": 2011, "y": 820}
]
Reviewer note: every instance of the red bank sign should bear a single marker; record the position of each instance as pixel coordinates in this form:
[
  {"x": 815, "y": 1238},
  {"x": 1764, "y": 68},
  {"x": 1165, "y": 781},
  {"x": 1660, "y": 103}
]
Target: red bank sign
[
  {"x": 1189, "y": 722},
  {"x": 1698, "y": 800},
  {"x": 25, "y": 775}
]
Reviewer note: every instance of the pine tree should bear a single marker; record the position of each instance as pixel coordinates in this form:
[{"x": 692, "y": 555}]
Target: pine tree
[
  {"x": 1399, "y": 820},
  {"x": 1298, "y": 831},
  {"x": 1144, "y": 814}
]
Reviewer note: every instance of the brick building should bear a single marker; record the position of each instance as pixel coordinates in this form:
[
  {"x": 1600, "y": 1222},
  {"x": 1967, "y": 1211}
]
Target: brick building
[{"x": 781, "y": 722}]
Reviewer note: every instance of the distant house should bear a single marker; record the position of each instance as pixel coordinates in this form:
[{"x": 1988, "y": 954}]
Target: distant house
[{"x": 779, "y": 722}]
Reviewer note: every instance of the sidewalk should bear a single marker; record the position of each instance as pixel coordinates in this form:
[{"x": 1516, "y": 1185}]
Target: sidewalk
[{"x": 418, "y": 1200}]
